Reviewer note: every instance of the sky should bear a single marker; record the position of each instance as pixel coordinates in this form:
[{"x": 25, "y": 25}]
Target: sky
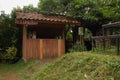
[{"x": 8, "y": 5}]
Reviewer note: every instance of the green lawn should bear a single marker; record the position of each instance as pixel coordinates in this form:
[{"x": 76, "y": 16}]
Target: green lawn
[{"x": 71, "y": 66}]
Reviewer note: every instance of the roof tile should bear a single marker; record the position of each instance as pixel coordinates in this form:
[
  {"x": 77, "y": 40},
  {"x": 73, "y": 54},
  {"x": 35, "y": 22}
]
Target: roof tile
[{"x": 41, "y": 17}]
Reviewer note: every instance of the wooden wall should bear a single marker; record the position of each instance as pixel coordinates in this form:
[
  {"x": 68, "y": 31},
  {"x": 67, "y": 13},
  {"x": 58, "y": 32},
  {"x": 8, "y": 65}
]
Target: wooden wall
[{"x": 43, "y": 48}]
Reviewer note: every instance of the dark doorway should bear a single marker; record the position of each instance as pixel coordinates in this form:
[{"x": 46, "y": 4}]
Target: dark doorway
[{"x": 88, "y": 45}]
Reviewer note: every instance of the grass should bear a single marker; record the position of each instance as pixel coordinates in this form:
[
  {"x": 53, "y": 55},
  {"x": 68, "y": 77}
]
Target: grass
[
  {"x": 21, "y": 70},
  {"x": 9, "y": 67},
  {"x": 13, "y": 69},
  {"x": 107, "y": 51},
  {"x": 81, "y": 66},
  {"x": 72, "y": 66}
]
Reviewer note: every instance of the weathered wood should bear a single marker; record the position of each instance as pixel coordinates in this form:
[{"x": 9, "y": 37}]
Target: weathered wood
[
  {"x": 59, "y": 49},
  {"x": 41, "y": 49},
  {"x": 114, "y": 25},
  {"x": 106, "y": 37},
  {"x": 63, "y": 42},
  {"x": 103, "y": 43},
  {"x": 44, "y": 48},
  {"x": 24, "y": 42},
  {"x": 28, "y": 22}
]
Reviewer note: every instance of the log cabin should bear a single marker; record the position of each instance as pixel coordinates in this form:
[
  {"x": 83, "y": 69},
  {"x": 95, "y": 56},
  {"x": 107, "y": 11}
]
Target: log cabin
[{"x": 43, "y": 35}]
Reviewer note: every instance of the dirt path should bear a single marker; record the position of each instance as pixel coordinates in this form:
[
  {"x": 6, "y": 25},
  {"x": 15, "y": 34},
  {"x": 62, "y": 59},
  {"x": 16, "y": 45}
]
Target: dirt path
[
  {"x": 26, "y": 72},
  {"x": 10, "y": 76}
]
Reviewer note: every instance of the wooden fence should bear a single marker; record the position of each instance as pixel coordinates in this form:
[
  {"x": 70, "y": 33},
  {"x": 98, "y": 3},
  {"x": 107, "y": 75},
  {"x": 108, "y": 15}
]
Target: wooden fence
[
  {"x": 104, "y": 41},
  {"x": 43, "y": 48}
]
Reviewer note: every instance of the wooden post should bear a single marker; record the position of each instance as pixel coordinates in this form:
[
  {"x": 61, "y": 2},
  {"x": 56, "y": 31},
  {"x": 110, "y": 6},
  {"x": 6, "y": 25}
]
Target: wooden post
[
  {"x": 74, "y": 39},
  {"x": 41, "y": 49},
  {"x": 81, "y": 31},
  {"x": 107, "y": 41},
  {"x": 93, "y": 45},
  {"x": 103, "y": 31},
  {"x": 103, "y": 42},
  {"x": 63, "y": 41},
  {"x": 103, "y": 38},
  {"x": 59, "y": 48},
  {"x": 24, "y": 43}
]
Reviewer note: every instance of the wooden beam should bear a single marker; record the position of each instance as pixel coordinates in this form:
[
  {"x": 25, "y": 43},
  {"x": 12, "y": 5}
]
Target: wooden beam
[
  {"x": 36, "y": 22},
  {"x": 41, "y": 49},
  {"x": 59, "y": 47},
  {"x": 28, "y": 22},
  {"x": 106, "y": 37},
  {"x": 24, "y": 42},
  {"x": 63, "y": 34},
  {"x": 112, "y": 25}
]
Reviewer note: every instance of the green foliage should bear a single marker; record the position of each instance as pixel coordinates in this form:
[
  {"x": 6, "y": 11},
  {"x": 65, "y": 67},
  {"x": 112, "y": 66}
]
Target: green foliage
[
  {"x": 14, "y": 67},
  {"x": 109, "y": 51},
  {"x": 68, "y": 32},
  {"x": 78, "y": 47},
  {"x": 7, "y": 35},
  {"x": 19, "y": 69},
  {"x": 88, "y": 34},
  {"x": 29, "y": 8},
  {"x": 10, "y": 53},
  {"x": 81, "y": 66},
  {"x": 94, "y": 12},
  {"x": 54, "y": 6},
  {"x": 73, "y": 66}
]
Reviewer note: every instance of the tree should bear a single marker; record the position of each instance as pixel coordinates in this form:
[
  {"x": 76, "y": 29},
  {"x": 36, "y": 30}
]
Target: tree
[
  {"x": 54, "y": 6},
  {"x": 29, "y": 8},
  {"x": 93, "y": 12},
  {"x": 7, "y": 34}
]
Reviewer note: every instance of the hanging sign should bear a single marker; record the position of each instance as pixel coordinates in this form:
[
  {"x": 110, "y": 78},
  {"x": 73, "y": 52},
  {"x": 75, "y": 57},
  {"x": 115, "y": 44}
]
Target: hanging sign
[{"x": 80, "y": 31}]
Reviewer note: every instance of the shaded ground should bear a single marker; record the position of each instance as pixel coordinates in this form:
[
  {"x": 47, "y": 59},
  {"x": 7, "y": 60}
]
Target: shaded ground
[
  {"x": 21, "y": 70},
  {"x": 9, "y": 76}
]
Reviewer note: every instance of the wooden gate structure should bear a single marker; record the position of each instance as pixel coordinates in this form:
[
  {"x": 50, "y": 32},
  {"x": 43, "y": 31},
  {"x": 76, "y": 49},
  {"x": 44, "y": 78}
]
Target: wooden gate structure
[
  {"x": 43, "y": 35},
  {"x": 105, "y": 40}
]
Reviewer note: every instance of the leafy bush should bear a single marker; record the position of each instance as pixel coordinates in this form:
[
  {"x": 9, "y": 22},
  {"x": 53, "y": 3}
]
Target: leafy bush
[
  {"x": 111, "y": 50},
  {"x": 78, "y": 47},
  {"x": 10, "y": 53},
  {"x": 0, "y": 53}
]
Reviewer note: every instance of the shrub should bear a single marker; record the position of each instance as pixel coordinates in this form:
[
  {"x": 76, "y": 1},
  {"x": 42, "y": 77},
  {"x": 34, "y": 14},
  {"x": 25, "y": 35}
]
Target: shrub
[
  {"x": 10, "y": 53},
  {"x": 78, "y": 47},
  {"x": 111, "y": 50}
]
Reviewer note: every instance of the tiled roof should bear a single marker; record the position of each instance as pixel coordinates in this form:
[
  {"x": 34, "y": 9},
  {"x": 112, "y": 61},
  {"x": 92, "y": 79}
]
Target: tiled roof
[{"x": 34, "y": 16}]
